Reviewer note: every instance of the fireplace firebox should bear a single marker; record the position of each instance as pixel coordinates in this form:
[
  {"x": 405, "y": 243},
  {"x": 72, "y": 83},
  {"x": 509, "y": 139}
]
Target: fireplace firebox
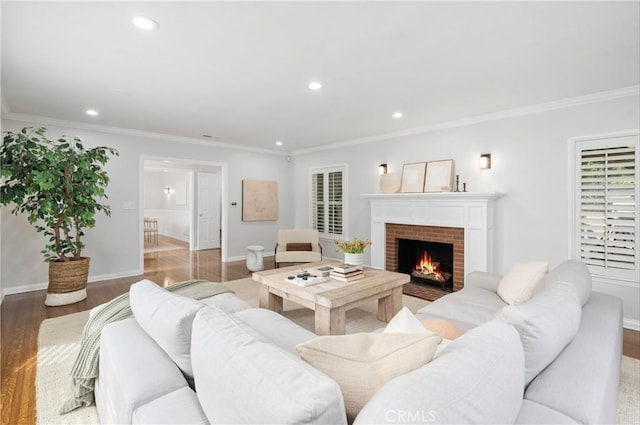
[
  {"x": 434, "y": 234},
  {"x": 428, "y": 263}
]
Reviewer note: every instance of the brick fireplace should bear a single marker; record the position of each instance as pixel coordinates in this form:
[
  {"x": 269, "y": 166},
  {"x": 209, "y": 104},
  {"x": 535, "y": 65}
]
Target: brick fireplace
[
  {"x": 444, "y": 235},
  {"x": 464, "y": 219}
]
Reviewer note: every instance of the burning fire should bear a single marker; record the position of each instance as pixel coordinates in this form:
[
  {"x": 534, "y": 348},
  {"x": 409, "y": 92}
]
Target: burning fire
[
  {"x": 425, "y": 265},
  {"x": 429, "y": 268}
]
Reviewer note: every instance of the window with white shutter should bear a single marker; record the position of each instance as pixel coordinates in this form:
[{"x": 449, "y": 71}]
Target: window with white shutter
[
  {"x": 327, "y": 201},
  {"x": 318, "y": 204},
  {"x": 606, "y": 205}
]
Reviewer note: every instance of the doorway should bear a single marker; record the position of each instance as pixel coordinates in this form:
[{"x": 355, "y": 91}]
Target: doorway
[
  {"x": 208, "y": 210},
  {"x": 186, "y": 198}
]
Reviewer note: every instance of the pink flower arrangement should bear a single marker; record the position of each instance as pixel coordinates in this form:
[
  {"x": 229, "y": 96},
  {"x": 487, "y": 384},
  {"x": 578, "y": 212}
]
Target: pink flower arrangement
[{"x": 356, "y": 247}]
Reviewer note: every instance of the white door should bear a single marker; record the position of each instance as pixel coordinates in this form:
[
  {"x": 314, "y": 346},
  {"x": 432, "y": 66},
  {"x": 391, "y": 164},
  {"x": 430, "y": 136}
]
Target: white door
[{"x": 208, "y": 210}]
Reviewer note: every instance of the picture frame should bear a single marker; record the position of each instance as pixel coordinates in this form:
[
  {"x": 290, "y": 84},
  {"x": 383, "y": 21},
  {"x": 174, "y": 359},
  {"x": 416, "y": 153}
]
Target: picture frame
[
  {"x": 413, "y": 177},
  {"x": 259, "y": 200},
  {"x": 439, "y": 176}
]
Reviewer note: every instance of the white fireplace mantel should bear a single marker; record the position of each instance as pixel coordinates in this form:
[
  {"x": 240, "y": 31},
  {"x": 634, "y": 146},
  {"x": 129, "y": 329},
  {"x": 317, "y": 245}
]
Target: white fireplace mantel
[{"x": 471, "y": 211}]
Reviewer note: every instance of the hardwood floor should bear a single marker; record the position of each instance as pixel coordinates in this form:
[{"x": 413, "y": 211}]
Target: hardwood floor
[{"x": 22, "y": 314}]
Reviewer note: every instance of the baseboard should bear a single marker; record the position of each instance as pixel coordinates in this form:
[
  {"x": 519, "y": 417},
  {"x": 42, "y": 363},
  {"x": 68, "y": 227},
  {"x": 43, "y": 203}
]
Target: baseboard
[
  {"x": 109, "y": 276},
  {"x": 92, "y": 278},
  {"x": 244, "y": 257},
  {"x": 26, "y": 288},
  {"x": 176, "y": 236},
  {"x": 634, "y": 325}
]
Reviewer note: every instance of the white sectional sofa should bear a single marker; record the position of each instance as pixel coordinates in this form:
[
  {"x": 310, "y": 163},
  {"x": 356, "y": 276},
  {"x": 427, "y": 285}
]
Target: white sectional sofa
[
  {"x": 554, "y": 359},
  {"x": 572, "y": 340},
  {"x": 146, "y": 376}
]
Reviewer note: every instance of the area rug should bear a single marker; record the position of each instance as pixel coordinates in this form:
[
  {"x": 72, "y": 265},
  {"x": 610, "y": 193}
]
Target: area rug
[{"x": 58, "y": 347}]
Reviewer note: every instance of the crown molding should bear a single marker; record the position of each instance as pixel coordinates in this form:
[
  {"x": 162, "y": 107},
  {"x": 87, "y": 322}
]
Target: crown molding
[
  {"x": 500, "y": 115},
  {"x": 495, "y": 116},
  {"x": 6, "y": 113}
]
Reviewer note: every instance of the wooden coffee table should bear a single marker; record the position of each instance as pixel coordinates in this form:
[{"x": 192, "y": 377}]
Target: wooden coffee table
[{"x": 331, "y": 299}]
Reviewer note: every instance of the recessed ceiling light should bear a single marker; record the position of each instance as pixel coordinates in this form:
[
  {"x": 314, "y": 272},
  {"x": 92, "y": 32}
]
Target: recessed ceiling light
[
  {"x": 145, "y": 23},
  {"x": 91, "y": 112},
  {"x": 397, "y": 115},
  {"x": 278, "y": 143},
  {"x": 315, "y": 85}
]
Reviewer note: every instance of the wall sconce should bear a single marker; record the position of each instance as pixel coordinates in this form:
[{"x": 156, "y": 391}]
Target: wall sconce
[
  {"x": 382, "y": 169},
  {"x": 485, "y": 161},
  {"x": 169, "y": 191}
]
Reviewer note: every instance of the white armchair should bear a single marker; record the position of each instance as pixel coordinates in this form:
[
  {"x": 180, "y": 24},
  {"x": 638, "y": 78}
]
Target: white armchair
[{"x": 298, "y": 246}]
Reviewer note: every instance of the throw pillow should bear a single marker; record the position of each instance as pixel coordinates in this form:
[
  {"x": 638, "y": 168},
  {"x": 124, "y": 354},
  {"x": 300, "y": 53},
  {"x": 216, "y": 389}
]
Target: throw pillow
[
  {"x": 444, "y": 328},
  {"x": 477, "y": 379},
  {"x": 362, "y": 363},
  {"x": 299, "y": 246},
  {"x": 519, "y": 284},
  {"x": 167, "y": 318},
  {"x": 546, "y": 324},
  {"x": 404, "y": 322}
]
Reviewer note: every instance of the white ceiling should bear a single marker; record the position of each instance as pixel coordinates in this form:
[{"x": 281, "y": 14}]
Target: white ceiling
[{"x": 239, "y": 70}]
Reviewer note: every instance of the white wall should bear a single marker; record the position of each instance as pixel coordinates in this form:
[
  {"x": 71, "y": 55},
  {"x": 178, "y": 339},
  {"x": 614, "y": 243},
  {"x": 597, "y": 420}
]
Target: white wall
[
  {"x": 529, "y": 165},
  {"x": 114, "y": 245},
  {"x": 173, "y": 211}
]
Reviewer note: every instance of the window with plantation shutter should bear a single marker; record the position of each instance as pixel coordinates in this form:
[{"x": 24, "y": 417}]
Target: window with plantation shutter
[
  {"x": 606, "y": 201},
  {"x": 327, "y": 201},
  {"x": 317, "y": 200}
]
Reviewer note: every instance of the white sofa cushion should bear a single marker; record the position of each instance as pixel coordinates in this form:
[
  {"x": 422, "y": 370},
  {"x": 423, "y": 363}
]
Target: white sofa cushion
[
  {"x": 243, "y": 378},
  {"x": 362, "y": 363},
  {"x": 132, "y": 370},
  {"x": 276, "y": 328},
  {"x": 467, "y": 308},
  {"x": 177, "y": 407},
  {"x": 546, "y": 324},
  {"x": 574, "y": 273},
  {"x": 228, "y": 301},
  {"x": 167, "y": 318},
  {"x": 536, "y": 413},
  {"x": 519, "y": 284},
  {"x": 478, "y": 378}
]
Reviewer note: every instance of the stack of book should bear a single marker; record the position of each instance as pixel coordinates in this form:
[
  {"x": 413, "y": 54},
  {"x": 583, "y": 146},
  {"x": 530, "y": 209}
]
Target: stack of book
[{"x": 346, "y": 272}]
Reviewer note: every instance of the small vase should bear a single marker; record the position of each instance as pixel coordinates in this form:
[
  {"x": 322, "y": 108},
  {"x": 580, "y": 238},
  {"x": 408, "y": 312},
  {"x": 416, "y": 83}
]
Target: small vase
[
  {"x": 354, "y": 259},
  {"x": 390, "y": 183}
]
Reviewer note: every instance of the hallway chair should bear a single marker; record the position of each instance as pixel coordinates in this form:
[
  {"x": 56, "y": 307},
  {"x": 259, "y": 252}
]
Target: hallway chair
[
  {"x": 151, "y": 230},
  {"x": 298, "y": 246}
]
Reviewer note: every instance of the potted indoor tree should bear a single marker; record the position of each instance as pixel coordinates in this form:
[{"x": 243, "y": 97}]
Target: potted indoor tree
[{"x": 57, "y": 184}]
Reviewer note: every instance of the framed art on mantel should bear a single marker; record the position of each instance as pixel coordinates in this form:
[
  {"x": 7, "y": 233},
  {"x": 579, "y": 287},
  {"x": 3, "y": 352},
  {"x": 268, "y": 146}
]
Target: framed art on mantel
[
  {"x": 439, "y": 176},
  {"x": 413, "y": 177}
]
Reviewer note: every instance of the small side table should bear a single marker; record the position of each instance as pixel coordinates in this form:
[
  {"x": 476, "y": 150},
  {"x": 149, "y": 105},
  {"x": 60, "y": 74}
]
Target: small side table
[{"x": 255, "y": 258}]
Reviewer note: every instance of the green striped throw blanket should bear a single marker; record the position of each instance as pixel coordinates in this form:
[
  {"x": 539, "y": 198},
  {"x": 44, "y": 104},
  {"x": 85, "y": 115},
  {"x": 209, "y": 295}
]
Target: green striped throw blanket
[{"x": 85, "y": 368}]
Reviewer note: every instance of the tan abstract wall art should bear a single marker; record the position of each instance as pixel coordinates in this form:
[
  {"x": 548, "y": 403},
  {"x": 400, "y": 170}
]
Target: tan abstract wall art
[{"x": 259, "y": 200}]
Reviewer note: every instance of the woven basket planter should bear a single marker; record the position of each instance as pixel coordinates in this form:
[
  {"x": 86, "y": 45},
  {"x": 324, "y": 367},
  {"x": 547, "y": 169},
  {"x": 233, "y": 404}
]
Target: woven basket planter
[{"x": 67, "y": 282}]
